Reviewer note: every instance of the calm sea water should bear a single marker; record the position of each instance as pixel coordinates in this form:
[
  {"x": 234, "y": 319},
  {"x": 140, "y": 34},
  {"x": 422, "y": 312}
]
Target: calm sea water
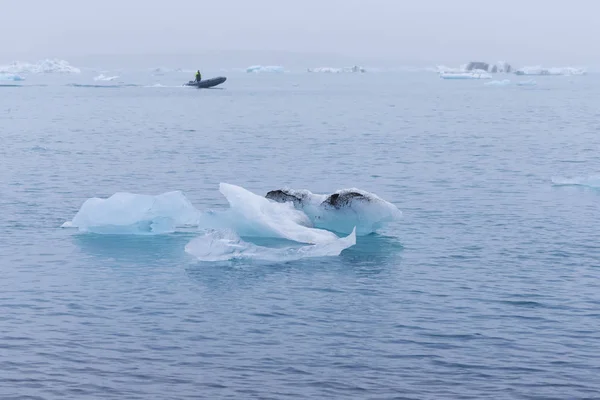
[{"x": 488, "y": 287}]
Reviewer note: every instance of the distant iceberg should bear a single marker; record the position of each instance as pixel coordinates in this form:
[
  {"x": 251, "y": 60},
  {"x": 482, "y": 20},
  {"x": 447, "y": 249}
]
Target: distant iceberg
[
  {"x": 326, "y": 70},
  {"x": 41, "y": 67},
  {"x": 538, "y": 70},
  {"x": 102, "y": 77},
  {"x": 11, "y": 77},
  {"x": 504, "y": 67},
  {"x": 474, "y": 66},
  {"x": 466, "y": 75},
  {"x": 268, "y": 68},
  {"x": 499, "y": 67},
  {"x": 442, "y": 69},
  {"x": 329, "y": 70}
]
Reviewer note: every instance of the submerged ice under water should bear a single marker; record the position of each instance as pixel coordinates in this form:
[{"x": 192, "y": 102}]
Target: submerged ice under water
[{"x": 227, "y": 245}]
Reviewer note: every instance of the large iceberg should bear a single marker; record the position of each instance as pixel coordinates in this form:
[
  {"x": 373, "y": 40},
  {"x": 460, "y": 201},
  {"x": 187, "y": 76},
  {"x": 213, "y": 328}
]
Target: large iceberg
[
  {"x": 268, "y": 68},
  {"x": 296, "y": 217},
  {"x": 128, "y": 213},
  {"x": 41, "y": 67}
]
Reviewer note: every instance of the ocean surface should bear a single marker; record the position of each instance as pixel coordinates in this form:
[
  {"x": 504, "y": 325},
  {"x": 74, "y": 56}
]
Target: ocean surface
[{"x": 487, "y": 287}]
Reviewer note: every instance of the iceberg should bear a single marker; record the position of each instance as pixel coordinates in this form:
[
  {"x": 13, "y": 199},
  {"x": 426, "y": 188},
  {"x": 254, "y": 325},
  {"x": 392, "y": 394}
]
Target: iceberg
[
  {"x": 555, "y": 71},
  {"x": 227, "y": 245},
  {"x": 326, "y": 70},
  {"x": 268, "y": 68},
  {"x": 41, "y": 67},
  {"x": 442, "y": 69},
  {"x": 128, "y": 213},
  {"x": 11, "y": 77},
  {"x": 294, "y": 215},
  {"x": 307, "y": 224},
  {"x": 102, "y": 77},
  {"x": 341, "y": 211},
  {"x": 252, "y": 215},
  {"x": 329, "y": 70},
  {"x": 499, "y": 67},
  {"x": 466, "y": 75}
]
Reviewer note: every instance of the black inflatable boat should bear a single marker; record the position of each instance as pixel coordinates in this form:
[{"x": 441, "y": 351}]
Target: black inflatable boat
[{"x": 208, "y": 83}]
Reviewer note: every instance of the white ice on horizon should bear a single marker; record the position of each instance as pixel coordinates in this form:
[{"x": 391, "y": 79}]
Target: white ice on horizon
[
  {"x": 330, "y": 70},
  {"x": 104, "y": 78},
  {"x": 556, "y": 71},
  {"x": 475, "y": 74},
  {"x": 47, "y": 66},
  {"x": 268, "y": 68}
]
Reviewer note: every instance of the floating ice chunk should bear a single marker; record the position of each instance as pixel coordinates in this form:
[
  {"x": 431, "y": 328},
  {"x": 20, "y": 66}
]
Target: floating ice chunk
[
  {"x": 329, "y": 70},
  {"x": 475, "y": 74},
  {"x": 41, "y": 67},
  {"x": 227, "y": 245},
  {"x": 11, "y": 77},
  {"x": 504, "y": 82},
  {"x": 590, "y": 181},
  {"x": 294, "y": 215},
  {"x": 268, "y": 68},
  {"x": 342, "y": 210},
  {"x": 326, "y": 70},
  {"x": 255, "y": 216},
  {"x": 128, "y": 213},
  {"x": 102, "y": 77}
]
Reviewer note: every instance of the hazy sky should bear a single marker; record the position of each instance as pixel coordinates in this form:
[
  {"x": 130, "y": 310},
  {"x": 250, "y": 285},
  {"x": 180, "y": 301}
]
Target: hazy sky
[{"x": 407, "y": 31}]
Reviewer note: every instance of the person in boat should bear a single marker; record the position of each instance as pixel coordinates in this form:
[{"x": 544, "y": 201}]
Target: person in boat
[{"x": 198, "y": 76}]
